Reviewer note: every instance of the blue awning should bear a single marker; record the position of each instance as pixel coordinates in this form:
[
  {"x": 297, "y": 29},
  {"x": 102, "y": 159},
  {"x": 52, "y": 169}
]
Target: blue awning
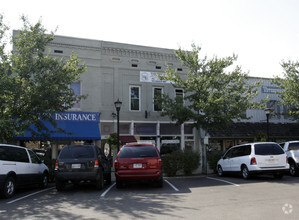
[{"x": 76, "y": 130}]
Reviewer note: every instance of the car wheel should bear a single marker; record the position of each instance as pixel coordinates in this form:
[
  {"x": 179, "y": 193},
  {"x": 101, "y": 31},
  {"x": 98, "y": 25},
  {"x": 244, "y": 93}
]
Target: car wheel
[
  {"x": 100, "y": 181},
  {"x": 9, "y": 187},
  {"x": 160, "y": 182},
  {"x": 220, "y": 171},
  {"x": 60, "y": 185},
  {"x": 245, "y": 172},
  {"x": 108, "y": 179},
  {"x": 45, "y": 181},
  {"x": 293, "y": 169}
]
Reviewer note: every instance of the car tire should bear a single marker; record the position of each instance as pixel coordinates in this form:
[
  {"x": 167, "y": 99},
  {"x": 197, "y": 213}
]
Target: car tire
[
  {"x": 100, "y": 181},
  {"x": 220, "y": 171},
  {"x": 45, "y": 181},
  {"x": 245, "y": 172},
  {"x": 60, "y": 185},
  {"x": 108, "y": 178},
  {"x": 9, "y": 187},
  {"x": 160, "y": 182},
  {"x": 293, "y": 169}
]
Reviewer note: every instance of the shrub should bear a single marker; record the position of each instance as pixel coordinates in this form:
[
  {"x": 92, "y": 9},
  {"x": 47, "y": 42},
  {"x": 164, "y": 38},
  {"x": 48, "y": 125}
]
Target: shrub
[
  {"x": 173, "y": 163},
  {"x": 186, "y": 161},
  {"x": 213, "y": 157},
  {"x": 190, "y": 161}
]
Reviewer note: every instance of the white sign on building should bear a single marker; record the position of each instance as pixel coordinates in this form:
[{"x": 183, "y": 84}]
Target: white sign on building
[{"x": 152, "y": 77}]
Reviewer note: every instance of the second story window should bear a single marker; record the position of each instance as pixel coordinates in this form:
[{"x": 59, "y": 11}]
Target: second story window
[
  {"x": 77, "y": 90},
  {"x": 157, "y": 93},
  {"x": 134, "y": 98},
  {"x": 179, "y": 95},
  {"x": 274, "y": 105}
]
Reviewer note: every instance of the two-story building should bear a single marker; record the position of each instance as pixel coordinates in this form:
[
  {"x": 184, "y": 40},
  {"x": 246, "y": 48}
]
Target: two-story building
[{"x": 117, "y": 71}]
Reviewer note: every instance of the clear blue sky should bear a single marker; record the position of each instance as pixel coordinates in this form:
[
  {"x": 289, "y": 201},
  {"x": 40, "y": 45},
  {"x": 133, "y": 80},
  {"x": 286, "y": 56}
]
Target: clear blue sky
[{"x": 261, "y": 32}]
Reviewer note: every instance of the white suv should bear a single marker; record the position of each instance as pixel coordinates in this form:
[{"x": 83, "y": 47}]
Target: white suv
[
  {"x": 292, "y": 150},
  {"x": 254, "y": 158},
  {"x": 20, "y": 167}
]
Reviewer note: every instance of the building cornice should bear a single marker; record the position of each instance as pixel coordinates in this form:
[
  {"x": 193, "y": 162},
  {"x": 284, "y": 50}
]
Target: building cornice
[{"x": 121, "y": 52}]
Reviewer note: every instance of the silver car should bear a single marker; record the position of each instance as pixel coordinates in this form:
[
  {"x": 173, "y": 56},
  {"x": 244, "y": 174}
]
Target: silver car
[{"x": 292, "y": 150}]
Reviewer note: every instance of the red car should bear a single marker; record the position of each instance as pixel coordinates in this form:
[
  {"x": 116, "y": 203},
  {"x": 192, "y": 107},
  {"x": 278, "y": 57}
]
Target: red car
[{"x": 138, "y": 162}]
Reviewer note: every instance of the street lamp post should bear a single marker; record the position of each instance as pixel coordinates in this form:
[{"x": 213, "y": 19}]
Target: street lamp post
[
  {"x": 268, "y": 112},
  {"x": 117, "y": 107}
]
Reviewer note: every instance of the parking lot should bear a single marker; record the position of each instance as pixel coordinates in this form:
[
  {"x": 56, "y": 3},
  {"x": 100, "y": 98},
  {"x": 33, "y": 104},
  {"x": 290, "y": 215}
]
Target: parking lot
[{"x": 201, "y": 197}]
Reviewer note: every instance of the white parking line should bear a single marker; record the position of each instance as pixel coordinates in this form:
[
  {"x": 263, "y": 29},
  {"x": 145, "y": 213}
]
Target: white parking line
[
  {"x": 176, "y": 189},
  {"x": 29, "y": 195},
  {"x": 223, "y": 181},
  {"x": 104, "y": 193}
]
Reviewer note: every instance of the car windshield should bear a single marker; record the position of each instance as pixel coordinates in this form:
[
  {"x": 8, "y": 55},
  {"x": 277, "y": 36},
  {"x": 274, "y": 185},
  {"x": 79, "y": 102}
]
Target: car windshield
[
  {"x": 137, "y": 151},
  {"x": 70, "y": 152},
  {"x": 268, "y": 149},
  {"x": 294, "y": 146}
]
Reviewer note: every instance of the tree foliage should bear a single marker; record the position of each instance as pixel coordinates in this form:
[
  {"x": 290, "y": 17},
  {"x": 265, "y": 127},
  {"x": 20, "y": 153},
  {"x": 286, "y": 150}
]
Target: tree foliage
[
  {"x": 289, "y": 85},
  {"x": 213, "y": 97},
  {"x": 34, "y": 85}
]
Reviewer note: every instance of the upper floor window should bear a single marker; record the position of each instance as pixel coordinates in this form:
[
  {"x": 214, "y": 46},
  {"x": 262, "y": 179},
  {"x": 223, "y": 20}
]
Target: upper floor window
[
  {"x": 157, "y": 93},
  {"x": 179, "y": 95},
  {"x": 134, "y": 98},
  {"x": 274, "y": 105},
  {"x": 77, "y": 90}
]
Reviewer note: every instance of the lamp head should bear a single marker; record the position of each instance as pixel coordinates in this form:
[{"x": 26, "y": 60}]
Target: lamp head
[{"x": 118, "y": 105}]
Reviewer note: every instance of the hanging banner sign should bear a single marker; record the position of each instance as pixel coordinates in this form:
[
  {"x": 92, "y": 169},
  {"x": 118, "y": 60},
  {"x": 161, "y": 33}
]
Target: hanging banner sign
[{"x": 152, "y": 77}]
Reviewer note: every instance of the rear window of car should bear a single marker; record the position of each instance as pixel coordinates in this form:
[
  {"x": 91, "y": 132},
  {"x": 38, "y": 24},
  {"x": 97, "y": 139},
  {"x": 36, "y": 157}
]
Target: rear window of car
[
  {"x": 8, "y": 153},
  {"x": 137, "y": 151},
  {"x": 70, "y": 152},
  {"x": 294, "y": 146},
  {"x": 268, "y": 149}
]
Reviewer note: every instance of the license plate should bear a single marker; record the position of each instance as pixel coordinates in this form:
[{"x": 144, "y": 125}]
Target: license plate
[
  {"x": 271, "y": 160},
  {"x": 137, "y": 165},
  {"x": 76, "y": 166}
]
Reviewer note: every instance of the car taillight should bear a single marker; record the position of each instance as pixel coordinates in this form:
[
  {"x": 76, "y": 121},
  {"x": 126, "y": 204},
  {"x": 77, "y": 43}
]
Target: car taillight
[
  {"x": 287, "y": 159},
  {"x": 253, "y": 161},
  {"x": 160, "y": 163},
  {"x": 116, "y": 164},
  {"x": 56, "y": 165},
  {"x": 96, "y": 163}
]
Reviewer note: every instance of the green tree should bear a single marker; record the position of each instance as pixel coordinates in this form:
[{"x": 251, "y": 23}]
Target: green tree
[
  {"x": 289, "y": 85},
  {"x": 33, "y": 85},
  {"x": 213, "y": 96}
]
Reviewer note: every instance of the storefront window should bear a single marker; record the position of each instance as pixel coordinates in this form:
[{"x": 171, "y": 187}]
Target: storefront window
[
  {"x": 170, "y": 129},
  {"x": 145, "y": 129}
]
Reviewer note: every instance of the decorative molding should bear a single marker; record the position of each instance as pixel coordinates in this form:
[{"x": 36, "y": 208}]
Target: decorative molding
[
  {"x": 139, "y": 54},
  {"x": 122, "y": 52},
  {"x": 73, "y": 46}
]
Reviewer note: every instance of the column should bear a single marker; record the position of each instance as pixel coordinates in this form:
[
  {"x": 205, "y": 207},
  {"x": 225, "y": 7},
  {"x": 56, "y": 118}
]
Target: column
[
  {"x": 54, "y": 147},
  {"x": 158, "y": 135},
  {"x": 182, "y": 136}
]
